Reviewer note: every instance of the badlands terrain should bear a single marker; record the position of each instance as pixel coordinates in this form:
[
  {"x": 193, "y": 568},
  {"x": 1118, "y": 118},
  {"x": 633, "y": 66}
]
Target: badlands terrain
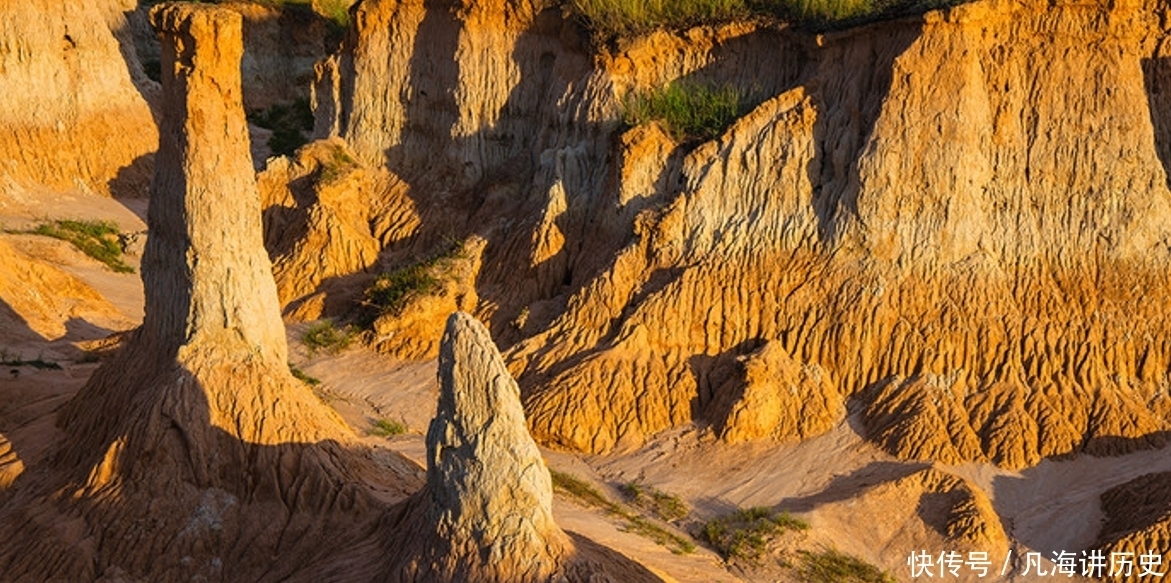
[{"x": 516, "y": 290}]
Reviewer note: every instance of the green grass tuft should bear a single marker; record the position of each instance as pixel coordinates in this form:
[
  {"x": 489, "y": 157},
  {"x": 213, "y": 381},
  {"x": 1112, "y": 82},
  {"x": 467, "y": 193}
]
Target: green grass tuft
[
  {"x": 626, "y": 18},
  {"x": 744, "y": 535},
  {"x": 688, "y": 111},
  {"x": 831, "y": 566},
  {"x": 387, "y": 428},
  {"x": 392, "y": 292},
  {"x": 337, "y": 166},
  {"x": 323, "y": 336},
  {"x": 97, "y": 239},
  {"x": 667, "y": 507},
  {"x": 610, "y": 19}
]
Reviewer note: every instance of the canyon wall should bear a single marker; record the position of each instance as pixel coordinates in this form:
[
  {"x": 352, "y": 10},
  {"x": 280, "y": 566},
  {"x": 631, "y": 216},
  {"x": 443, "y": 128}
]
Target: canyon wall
[
  {"x": 955, "y": 225},
  {"x": 75, "y": 106}
]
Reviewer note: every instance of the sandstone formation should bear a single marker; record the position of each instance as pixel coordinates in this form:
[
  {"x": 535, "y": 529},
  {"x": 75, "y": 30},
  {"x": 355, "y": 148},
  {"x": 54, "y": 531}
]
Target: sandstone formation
[
  {"x": 1138, "y": 519},
  {"x": 920, "y": 209},
  {"x": 10, "y": 464},
  {"x": 910, "y": 509},
  {"x": 775, "y": 397},
  {"x": 39, "y": 301},
  {"x": 281, "y": 45},
  {"x": 485, "y": 514},
  {"x": 74, "y": 111},
  {"x": 194, "y": 453},
  {"x": 325, "y": 218}
]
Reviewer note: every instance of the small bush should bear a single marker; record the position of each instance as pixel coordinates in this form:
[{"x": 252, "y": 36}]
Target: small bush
[
  {"x": 387, "y": 428},
  {"x": 668, "y": 507},
  {"x": 831, "y": 566},
  {"x": 97, "y": 239},
  {"x": 288, "y": 122},
  {"x": 324, "y": 336},
  {"x": 688, "y": 111},
  {"x": 745, "y": 534}
]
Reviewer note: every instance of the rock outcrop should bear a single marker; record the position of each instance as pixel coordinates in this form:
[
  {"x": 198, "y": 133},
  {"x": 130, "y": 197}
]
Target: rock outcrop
[
  {"x": 1137, "y": 520},
  {"x": 11, "y": 465},
  {"x": 74, "y": 111},
  {"x": 320, "y": 210},
  {"x": 485, "y": 514},
  {"x": 771, "y": 396},
  {"x": 194, "y": 453}
]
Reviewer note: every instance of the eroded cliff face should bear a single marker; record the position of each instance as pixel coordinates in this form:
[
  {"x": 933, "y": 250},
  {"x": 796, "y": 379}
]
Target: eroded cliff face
[
  {"x": 74, "y": 107},
  {"x": 959, "y": 220}
]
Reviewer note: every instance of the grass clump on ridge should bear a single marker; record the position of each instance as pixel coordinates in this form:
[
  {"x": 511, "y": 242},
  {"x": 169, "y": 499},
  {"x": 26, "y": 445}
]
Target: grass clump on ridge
[
  {"x": 610, "y": 19},
  {"x": 97, "y": 239},
  {"x": 626, "y": 18},
  {"x": 590, "y": 496},
  {"x": 831, "y": 566},
  {"x": 688, "y": 111},
  {"x": 391, "y": 292},
  {"x": 745, "y": 534}
]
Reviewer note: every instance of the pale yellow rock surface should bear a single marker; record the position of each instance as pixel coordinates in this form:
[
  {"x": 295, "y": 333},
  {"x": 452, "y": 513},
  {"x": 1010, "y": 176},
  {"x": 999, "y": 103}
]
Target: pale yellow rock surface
[
  {"x": 486, "y": 513},
  {"x": 74, "y": 111}
]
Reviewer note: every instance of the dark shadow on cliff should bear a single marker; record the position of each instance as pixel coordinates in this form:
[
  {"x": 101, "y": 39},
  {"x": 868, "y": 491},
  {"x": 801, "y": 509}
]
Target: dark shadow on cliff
[
  {"x": 1157, "y": 81},
  {"x": 14, "y": 329}
]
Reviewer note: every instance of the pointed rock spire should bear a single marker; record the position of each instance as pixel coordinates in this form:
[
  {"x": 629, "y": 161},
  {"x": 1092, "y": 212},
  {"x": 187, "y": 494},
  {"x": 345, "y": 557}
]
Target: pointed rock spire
[{"x": 490, "y": 491}]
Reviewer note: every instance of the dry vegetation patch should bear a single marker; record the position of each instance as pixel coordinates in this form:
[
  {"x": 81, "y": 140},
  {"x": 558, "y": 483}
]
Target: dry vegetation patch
[{"x": 633, "y": 521}]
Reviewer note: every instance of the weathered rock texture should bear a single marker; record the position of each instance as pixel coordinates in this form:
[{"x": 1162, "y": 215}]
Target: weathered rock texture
[
  {"x": 194, "y": 454},
  {"x": 72, "y": 110},
  {"x": 1138, "y": 520},
  {"x": 485, "y": 514},
  {"x": 11, "y": 465},
  {"x": 960, "y": 220}
]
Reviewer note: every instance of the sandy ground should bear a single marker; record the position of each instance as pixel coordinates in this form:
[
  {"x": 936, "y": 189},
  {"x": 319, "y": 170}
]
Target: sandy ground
[{"x": 825, "y": 480}]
